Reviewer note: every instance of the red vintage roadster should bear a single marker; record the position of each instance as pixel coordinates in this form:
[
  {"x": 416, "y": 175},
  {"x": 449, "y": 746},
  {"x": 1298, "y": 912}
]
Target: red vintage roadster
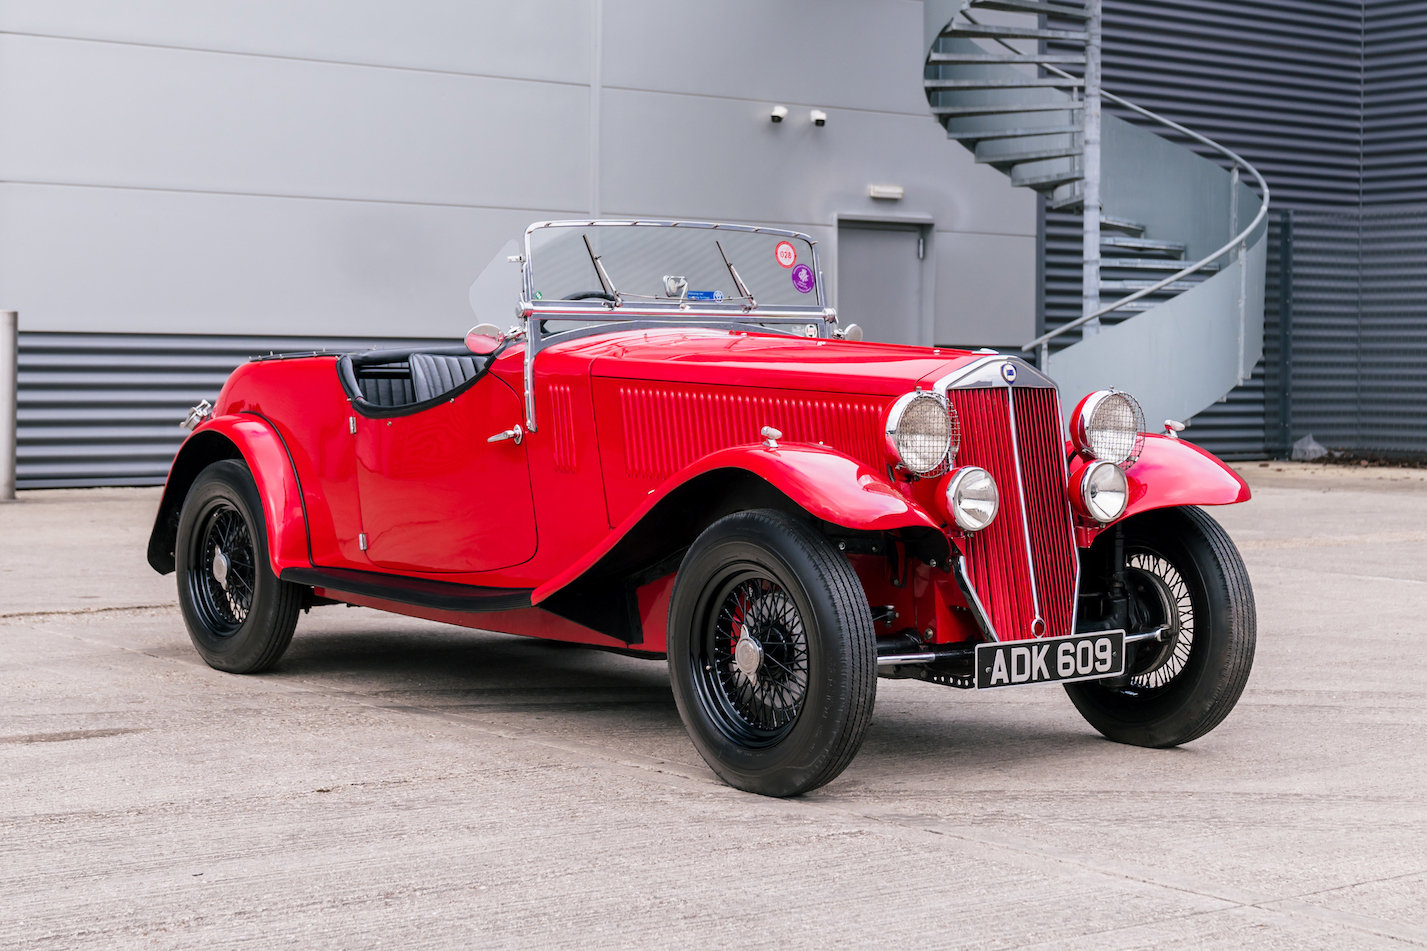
[{"x": 678, "y": 453}]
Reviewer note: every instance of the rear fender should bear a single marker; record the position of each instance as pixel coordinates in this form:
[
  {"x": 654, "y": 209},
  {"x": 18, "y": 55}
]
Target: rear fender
[
  {"x": 254, "y": 440},
  {"x": 649, "y": 543},
  {"x": 1172, "y": 472}
]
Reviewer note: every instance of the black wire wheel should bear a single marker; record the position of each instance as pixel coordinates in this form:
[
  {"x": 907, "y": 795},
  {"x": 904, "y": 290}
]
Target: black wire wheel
[
  {"x": 754, "y": 671},
  {"x": 771, "y": 653},
  {"x": 240, "y": 617},
  {"x": 1186, "y": 580},
  {"x": 223, "y": 576}
]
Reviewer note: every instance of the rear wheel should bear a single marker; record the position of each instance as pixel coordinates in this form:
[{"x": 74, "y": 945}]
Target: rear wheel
[
  {"x": 240, "y": 617},
  {"x": 771, "y": 654},
  {"x": 1186, "y": 577}
]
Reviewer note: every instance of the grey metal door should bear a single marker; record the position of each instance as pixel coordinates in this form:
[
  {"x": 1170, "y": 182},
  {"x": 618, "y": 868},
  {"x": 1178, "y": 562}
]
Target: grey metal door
[{"x": 879, "y": 280}]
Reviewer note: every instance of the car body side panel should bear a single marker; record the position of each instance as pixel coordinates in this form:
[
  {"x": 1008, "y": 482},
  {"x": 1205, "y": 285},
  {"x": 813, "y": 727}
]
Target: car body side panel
[
  {"x": 303, "y": 399},
  {"x": 827, "y": 484}
]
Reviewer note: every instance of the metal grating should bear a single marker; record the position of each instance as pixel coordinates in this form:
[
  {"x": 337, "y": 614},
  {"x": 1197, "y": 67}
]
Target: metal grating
[{"x": 103, "y": 409}]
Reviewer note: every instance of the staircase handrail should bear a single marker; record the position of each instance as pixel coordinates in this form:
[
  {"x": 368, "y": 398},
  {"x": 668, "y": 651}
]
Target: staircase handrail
[{"x": 1043, "y": 341}]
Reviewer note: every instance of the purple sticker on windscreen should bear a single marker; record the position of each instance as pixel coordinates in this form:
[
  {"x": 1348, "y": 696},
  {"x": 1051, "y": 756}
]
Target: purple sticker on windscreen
[{"x": 803, "y": 278}]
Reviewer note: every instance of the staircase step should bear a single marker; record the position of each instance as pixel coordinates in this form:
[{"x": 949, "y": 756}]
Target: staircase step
[
  {"x": 1032, "y": 6},
  {"x": 1026, "y": 82},
  {"x": 1129, "y": 287},
  {"x": 1070, "y": 59},
  {"x": 1033, "y": 155},
  {"x": 987, "y": 135},
  {"x": 1147, "y": 245},
  {"x": 1150, "y": 264},
  {"x": 986, "y": 31},
  {"x": 995, "y": 109},
  {"x": 1122, "y": 224},
  {"x": 1047, "y": 180}
]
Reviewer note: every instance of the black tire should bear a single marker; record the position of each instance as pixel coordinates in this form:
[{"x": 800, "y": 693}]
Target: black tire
[
  {"x": 800, "y": 718},
  {"x": 242, "y": 621},
  {"x": 1181, "y": 559}
]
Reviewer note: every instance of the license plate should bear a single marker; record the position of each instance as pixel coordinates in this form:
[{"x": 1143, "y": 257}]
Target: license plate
[{"x": 1050, "y": 660}]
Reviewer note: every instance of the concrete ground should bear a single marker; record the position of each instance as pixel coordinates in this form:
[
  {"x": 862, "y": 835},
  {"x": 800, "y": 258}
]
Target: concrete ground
[{"x": 396, "y": 783}]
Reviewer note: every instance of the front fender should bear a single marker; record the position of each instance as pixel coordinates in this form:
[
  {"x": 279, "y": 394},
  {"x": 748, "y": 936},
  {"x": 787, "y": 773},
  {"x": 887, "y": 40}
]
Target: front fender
[
  {"x": 1173, "y": 472},
  {"x": 253, "y": 439},
  {"x": 827, "y": 484}
]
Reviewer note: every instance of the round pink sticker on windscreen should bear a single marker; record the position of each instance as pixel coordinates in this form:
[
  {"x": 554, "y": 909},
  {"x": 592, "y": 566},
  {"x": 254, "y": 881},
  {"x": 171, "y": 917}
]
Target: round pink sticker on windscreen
[{"x": 786, "y": 254}]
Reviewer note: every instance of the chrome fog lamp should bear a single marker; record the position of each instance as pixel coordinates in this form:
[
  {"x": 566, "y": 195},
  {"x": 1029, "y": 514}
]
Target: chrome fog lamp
[
  {"x": 922, "y": 433},
  {"x": 971, "y": 498},
  {"x": 1109, "y": 425},
  {"x": 1104, "y": 491}
]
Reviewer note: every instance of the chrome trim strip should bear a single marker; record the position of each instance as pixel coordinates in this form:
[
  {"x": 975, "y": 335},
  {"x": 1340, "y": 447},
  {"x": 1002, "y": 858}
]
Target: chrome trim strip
[
  {"x": 887, "y": 660},
  {"x": 973, "y": 601},
  {"x": 1025, "y": 516},
  {"x": 986, "y": 372}
]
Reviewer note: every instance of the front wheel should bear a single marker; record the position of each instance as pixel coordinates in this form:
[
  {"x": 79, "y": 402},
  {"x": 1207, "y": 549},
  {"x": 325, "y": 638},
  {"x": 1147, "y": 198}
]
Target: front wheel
[
  {"x": 1186, "y": 577},
  {"x": 772, "y": 655},
  {"x": 240, "y": 616}
]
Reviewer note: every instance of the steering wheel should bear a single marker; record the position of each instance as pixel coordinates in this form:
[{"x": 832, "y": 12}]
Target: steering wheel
[{"x": 590, "y": 295}]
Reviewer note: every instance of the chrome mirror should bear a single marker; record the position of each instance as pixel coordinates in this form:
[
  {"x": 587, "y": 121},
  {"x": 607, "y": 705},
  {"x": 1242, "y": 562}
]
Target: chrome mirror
[{"x": 484, "y": 339}]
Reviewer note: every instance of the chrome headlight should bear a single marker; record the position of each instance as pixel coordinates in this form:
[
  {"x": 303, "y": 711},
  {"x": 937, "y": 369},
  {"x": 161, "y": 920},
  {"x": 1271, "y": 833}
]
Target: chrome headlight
[
  {"x": 971, "y": 498},
  {"x": 1104, "y": 491},
  {"x": 1109, "y": 425},
  {"x": 922, "y": 433}
]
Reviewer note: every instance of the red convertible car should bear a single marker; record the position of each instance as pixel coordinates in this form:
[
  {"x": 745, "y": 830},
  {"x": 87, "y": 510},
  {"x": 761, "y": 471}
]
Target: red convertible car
[{"x": 676, "y": 452}]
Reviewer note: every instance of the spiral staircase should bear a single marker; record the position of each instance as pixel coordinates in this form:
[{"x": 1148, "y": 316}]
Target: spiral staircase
[{"x": 1174, "y": 243}]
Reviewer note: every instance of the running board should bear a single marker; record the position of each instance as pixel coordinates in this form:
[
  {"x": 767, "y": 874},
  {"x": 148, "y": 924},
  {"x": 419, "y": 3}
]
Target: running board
[{"x": 439, "y": 595}]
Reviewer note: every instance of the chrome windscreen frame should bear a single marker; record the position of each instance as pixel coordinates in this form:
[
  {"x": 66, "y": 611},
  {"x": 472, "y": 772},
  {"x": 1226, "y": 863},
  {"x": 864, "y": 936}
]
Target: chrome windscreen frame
[{"x": 812, "y": 321}]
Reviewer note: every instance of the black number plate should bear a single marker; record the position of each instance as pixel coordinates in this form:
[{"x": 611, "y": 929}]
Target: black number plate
[{"x": 1050, "y": 660}]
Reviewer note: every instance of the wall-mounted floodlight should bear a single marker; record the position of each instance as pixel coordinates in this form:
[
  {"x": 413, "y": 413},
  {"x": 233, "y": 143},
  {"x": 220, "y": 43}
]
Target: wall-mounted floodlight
[
  {"x": 779, "y": 113},
  {"x": 888, "y": 192},
  {"x": 819, "y": 117}
]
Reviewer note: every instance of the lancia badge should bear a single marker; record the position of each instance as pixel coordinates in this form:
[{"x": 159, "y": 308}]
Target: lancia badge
[{"x": 1008, "y": 372}]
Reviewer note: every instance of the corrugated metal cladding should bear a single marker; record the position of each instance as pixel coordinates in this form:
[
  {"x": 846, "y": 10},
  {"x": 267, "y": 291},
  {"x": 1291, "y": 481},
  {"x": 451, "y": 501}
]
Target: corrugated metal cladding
[
  {"x": 1360, "y": 329},
  {"x": 1328, "y": 98},
  {"x": 104, "y": 409}
]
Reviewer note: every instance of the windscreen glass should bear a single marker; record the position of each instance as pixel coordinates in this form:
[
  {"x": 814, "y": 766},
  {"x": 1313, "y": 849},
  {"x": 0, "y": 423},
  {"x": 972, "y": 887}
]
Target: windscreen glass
[{"x": 699, "y": 265}]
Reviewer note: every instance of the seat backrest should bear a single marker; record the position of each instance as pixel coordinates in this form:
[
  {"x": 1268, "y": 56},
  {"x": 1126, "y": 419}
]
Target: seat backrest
[
  {"x": 387, "y": 391},
  {"x": 433, "y": 373}
]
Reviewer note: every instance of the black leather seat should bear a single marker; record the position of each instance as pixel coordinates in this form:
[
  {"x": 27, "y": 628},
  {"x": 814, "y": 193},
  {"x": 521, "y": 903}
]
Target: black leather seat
[
  {"x": 434, "y": 373},
  {"x": 387, "y": 391}
]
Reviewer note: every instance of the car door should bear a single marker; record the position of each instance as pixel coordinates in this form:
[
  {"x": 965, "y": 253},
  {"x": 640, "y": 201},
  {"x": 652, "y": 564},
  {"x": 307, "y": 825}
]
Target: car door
[{"x": 436, "y": 496}]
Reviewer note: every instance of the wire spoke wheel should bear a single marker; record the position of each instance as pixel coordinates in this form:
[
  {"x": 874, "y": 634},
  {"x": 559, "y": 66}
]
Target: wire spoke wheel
[
  {"x": 1165, "y": 602},
  {"x": 753, "y": 666},
  {"x": 1185, "y": 577},
  {"x": 222, "y": 574}
]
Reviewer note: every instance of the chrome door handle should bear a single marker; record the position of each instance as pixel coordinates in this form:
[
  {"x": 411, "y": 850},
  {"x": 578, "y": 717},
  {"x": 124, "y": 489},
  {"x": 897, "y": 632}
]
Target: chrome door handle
[{"x": 514, "y": 432}]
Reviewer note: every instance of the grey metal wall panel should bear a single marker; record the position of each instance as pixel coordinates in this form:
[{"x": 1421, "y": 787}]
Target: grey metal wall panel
[
  {"x": 533, "y": 39},
  {"x": 191, "y": 121},
  {"x": 103, "y": 409},
  {"x": 854, "y": 54},
  {"x": 154, "y": 261},
  {"x": 747, "y": 168}
]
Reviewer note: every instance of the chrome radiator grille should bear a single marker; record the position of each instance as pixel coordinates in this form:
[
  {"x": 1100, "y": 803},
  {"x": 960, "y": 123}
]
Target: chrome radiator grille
[{"x": 1024, "y": 565}]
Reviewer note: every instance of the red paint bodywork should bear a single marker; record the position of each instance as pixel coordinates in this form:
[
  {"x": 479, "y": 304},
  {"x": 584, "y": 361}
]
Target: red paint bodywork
[{"x": 625, "y": 420}]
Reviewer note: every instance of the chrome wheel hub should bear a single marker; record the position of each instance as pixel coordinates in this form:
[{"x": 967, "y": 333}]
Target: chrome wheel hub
[
  {"x": 220, "y": 568},
  {"x": 748, "y": 656}
]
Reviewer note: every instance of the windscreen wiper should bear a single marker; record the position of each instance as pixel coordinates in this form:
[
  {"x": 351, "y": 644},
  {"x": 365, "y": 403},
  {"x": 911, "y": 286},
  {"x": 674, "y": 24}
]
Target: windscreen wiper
[
  {"x": 737, "y": 281},
  {"x": 605, "y": 283}
]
